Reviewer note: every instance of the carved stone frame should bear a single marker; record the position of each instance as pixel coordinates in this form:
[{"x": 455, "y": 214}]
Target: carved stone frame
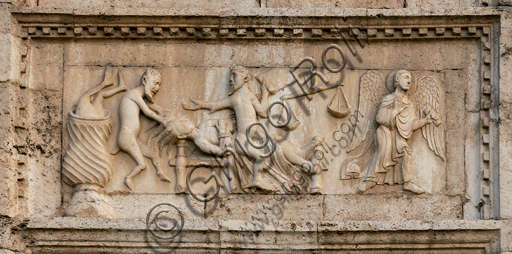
[{"x": 71, "y": 26}]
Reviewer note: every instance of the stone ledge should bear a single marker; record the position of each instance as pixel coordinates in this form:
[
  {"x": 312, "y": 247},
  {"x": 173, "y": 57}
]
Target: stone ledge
[
  {"x": 259, "y": 12},
  {"x": 64, "y": 235}
]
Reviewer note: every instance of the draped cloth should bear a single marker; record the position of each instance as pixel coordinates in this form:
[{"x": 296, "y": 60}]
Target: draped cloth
[
  {"x": 390, "y": 162},
  {"x": 279, "y": 174}
]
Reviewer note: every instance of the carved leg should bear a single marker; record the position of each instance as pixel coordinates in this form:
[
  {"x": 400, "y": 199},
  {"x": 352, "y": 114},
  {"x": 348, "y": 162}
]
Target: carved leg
[
  {"x": 102, "y": 94},
  {"x": 128, "y": 143},
  {"x": 234, "y": 184},
  {"x": 181, "y": 168},
  {"x": 258, "y": 167},
  {"x": 408, "y": 183},
  {"x": 107, "y": 81},
  {"x": 316, "y": 188},
  {"x": 155, "y": 160},
  {"x": 316, "y": 173},
  {"x": 259, "y": 164}
]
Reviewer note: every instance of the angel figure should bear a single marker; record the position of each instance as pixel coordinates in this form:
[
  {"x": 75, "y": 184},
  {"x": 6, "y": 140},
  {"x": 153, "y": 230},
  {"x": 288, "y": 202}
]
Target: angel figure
[{"x": 388, "y": 122}]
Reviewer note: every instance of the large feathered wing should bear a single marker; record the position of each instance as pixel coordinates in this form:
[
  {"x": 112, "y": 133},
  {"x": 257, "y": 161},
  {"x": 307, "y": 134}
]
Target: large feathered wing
[
  {"x": 371, "y": 92},
  {"x": 429, "y": 98}
]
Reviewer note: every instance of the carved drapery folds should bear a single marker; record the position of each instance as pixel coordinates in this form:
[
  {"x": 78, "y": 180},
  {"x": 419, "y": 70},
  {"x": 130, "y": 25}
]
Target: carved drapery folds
[{"x": 87, "y": 160}]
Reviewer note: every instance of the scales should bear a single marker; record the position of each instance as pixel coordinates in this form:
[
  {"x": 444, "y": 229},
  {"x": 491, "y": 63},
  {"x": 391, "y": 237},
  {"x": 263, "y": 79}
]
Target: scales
[{"x": 339, "y": 106}]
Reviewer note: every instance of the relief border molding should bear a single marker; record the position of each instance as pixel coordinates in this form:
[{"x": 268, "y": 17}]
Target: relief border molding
[
  {"x": 96, "y": 235},
  {"x": 106, "y": 31},
  {"x": 238, "y": 28}
]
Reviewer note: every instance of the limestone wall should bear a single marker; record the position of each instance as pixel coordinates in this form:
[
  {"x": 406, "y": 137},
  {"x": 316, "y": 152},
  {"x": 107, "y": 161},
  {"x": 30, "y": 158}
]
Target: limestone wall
[{"x": 66, "y": 164}]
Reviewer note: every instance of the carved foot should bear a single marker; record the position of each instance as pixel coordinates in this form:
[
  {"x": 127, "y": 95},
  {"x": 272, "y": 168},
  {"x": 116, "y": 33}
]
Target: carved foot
[
  {"x": 315, "y": 190},
  {"x": 163, "y": 177},
  {"x": 128, "y": 182},
  {"x": 179, "y": 189},
  {"x": 365, "y": 186},
  {"x": 235, "y": 190},
  {"x": 256, "y": 186},
  {"x": 413, "y": 188},
  {"x": 108, "y": 80}
]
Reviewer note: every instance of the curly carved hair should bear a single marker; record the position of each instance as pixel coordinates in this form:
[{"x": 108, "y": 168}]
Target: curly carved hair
[
  {"x": 151, "y": 73},
  {"x": 398, "y": 74},
  {"x": 241, "y": 70}
]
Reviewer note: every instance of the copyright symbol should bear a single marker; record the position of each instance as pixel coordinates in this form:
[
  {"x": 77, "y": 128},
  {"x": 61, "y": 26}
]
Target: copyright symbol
[
  {"x": 218, "y": 184},
  {"x": 164, "y": 221}
]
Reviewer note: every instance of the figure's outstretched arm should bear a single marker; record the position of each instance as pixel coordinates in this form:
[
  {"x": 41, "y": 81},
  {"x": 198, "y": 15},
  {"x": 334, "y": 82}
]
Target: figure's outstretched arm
[
  {"x": 212, "y": 106},
  {"x": 422, "y": 122},
  {"x": 148, "y": 112},
  {"x": 261, "y": 107},
  {"x": 155, "y": 107}
]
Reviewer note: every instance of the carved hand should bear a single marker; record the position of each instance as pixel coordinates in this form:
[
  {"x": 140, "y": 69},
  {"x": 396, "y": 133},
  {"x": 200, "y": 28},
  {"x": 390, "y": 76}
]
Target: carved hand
[
  {"x": 435, "y": 119},
  {"x": 193, "y": 105},
  {"x": 166, "y": 121},
  {"x": 230, "y": 151}
]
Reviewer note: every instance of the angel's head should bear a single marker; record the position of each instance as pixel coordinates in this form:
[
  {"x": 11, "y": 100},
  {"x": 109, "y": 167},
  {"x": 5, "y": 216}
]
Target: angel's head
[
  {"x": 402, "y": 80},
  {"x": 239, "y": 76}
]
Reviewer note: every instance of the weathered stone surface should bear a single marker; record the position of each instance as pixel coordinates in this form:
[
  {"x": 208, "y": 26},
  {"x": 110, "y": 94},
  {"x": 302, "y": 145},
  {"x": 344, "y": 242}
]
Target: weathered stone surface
[
  {"x": 505, "y": 120},
  {"x": 413, "y": 4},
  {"x": 48, "y": 74},
  {"x": 151, "y": 4},
  {"x": 6, "y": 52},
  {"x": 381, "y": 4},
  {"x": 6, "y": 21},
  {"x": 121, "y": 109},
  {"x": 384, "y": 208}
]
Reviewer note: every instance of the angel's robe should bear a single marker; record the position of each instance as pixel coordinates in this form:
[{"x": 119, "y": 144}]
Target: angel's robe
[{"x": 391, "y": 161}]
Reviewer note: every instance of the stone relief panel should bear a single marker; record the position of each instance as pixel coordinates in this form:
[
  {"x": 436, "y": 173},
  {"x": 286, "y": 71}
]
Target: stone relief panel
[
  {"x": 251, "y": 132},
  {"x": 252, "y": 129},
  {"x": 390, "y": 121},
  {"x": 258, "y": 119}
]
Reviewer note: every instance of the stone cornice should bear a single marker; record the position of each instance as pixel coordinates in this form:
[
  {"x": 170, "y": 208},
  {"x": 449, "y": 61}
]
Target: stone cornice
[{"x": 88, "y": 234}]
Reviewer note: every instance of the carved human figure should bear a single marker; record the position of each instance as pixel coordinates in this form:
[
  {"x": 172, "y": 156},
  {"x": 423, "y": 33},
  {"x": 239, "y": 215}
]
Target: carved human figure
[
  {"x": 396, "y": 119},
  {"x": 209, "y": 136},
  {"x": 135, "y": 101},
  {"x": 247, "y": 108}
]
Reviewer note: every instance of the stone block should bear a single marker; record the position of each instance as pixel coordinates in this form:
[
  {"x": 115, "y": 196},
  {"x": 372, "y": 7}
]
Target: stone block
[
  {"x": 8, "y": 199},
  {"x": 505, "y": 165},
  {"x": 505, "y": 55},
  {"x": 472, "y": 167},
  {"x": 214, "y": 5},
  {"x": 46, "y": 122},
  {"x": 6, "y": 54},
  {"x": 388, "y": 207},
  {"x": 269, "y": 209},
  {"x": 380, "y": 4},
  {"x": 455, "y": 122},
  {"x": 5, "y": 18},
  {"x": 159, "y": 54},
  {"x": 47, "y": 73},
  {"x": 444, "y": 4}
]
